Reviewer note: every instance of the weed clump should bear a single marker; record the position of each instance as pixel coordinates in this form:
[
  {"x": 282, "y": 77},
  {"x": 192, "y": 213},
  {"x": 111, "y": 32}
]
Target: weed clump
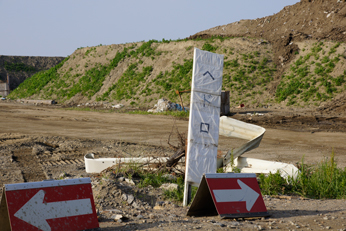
[{"x": 324, "y": 180}]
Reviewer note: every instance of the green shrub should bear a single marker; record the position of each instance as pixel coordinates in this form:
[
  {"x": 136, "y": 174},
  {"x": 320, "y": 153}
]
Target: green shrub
[
  {"x": 292, "y": 87},
  {"x": 333, "y": 49},
  {"x": 325, "y": 59},
  {"x": 324, "y": 180},
  {"x": 177, "y": 79},
  {"x": 273, "y": 184},
  {"x": 19, "y": 67},
  {"x": 231, "y": 63},
  {"x": 319, "y": 70},
  {"x": 317, "y": 48},
  {"x": 208, "y": 47},
  {"x": 339, "y": 80},
  {"x": 321, "y": 181}
]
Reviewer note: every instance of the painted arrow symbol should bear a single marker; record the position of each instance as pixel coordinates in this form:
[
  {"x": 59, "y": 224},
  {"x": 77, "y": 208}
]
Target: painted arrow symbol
[
  {"x": 246, "y": 194},
  {"x": 35, "y": 212},
  {"x": 209, "y": 75}
]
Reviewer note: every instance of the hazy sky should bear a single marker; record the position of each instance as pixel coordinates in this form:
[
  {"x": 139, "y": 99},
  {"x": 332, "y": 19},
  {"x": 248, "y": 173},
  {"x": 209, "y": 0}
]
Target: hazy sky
[{"x": 59, "y": 27}]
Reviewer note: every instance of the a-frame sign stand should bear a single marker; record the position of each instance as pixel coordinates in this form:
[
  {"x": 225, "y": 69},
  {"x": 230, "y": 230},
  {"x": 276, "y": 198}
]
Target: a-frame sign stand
[
  {"x": 4, "y": 218},
  {"x": 230, "y": 195}
]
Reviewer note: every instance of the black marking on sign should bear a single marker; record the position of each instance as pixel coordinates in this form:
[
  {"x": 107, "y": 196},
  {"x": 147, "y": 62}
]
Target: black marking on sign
[{"x": 209, "y": 75}]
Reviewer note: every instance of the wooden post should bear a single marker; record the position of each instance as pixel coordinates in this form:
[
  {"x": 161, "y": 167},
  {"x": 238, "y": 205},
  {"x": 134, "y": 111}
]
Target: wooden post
[{"x": 224, "y": 107}]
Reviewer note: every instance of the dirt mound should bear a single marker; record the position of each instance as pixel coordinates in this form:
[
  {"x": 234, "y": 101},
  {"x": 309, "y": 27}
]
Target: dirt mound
[
  {"x": 308, "y": 19},
  {"x": 276, "y": 62}
]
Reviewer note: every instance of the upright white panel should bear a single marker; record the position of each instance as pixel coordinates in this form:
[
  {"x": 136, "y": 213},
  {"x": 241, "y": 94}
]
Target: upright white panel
[{"x": 203, "y": 134}]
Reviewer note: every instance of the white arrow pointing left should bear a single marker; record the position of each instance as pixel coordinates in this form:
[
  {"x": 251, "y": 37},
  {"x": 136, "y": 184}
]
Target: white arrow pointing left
[
  {"x": 246, "y": 194},
  {"x": 35, "y": 212}
]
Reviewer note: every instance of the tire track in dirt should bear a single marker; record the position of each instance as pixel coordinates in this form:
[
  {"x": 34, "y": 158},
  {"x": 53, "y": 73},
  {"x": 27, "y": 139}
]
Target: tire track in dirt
[{"x": 29, "y": 165}]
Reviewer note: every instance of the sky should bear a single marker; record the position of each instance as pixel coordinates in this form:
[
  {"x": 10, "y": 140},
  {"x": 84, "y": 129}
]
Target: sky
[{"x": 59, "y": 27}]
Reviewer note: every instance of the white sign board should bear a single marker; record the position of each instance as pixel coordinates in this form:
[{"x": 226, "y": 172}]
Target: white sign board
[{"x": 203, "y": 134}]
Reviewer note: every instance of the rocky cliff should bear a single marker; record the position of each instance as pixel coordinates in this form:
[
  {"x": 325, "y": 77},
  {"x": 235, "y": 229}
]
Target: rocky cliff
[{"x": 19, "y": 68}]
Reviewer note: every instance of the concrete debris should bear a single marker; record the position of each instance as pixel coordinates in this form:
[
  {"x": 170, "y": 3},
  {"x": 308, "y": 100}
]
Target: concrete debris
[
  {"x": 119, "y": 218},
  {"x": 124, "y": 197},
  {"x": 129, "y": 181},
  {"x": 130, "y": 198},
  {"x": 169, "y": 186},
  {"x": 166, "y": 105},
  {"x": 255, "y": 113},
  {"x": 121, "y": 179},
  {"x": 118, "y": 106},
  {"x": 37, "y": 102}
]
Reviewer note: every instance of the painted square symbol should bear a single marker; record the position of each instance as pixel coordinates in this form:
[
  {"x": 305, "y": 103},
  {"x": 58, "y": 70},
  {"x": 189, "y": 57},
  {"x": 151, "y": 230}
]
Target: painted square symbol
[{"x": 204, "y": 127}]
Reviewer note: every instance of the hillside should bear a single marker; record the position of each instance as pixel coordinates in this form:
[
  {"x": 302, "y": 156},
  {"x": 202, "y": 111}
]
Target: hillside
[
  {"x": 19, "y": 68},
  {"x": 294, "y": 58},
  {"x": 305, "y": 20},
  {"x": 141, "y": 73}
]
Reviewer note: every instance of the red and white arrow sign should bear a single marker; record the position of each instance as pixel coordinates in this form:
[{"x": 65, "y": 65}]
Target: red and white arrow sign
[
  {"x": 246, "y": 194},
  {"x": 35, "y": 212},
  {"x": 51, "y": 205},
  {"x": 236, "y": 194}
]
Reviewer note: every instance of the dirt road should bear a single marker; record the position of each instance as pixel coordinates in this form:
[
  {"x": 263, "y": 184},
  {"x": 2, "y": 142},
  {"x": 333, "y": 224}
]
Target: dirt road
[
  {"x": 288, "y": 142},
  {"x": 39, "y": 142}
]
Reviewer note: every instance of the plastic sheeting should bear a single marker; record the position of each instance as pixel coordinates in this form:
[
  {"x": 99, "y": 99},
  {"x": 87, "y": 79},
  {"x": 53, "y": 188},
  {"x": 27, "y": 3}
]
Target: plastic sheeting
[
  {"x": 93, "y": 165},
  {"x": 203, "y": 131},
  {"x": 234, "y": 128},
  {"x": 252, "y": 165},
  {"x": 166, "y": 105}
]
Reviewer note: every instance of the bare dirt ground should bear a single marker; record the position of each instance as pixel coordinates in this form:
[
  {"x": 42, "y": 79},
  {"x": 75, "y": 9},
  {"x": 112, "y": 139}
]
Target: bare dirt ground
[{"x": 43, "y": 142}]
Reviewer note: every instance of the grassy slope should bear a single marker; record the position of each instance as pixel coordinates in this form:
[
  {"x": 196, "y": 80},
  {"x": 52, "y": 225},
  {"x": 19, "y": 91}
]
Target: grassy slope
[
  {"x": 317, "y": 74},
  {"x": 138, "y": 74}
]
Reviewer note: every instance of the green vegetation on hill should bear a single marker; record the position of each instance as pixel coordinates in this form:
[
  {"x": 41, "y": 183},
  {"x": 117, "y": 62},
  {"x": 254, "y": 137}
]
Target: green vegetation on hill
[
  {"x": 178, "y": 78},
  {"x": 134, "y": 74},
  {"x": 37, "y": 82},
  {"x": 247, "y": 76},
  {"x": 309, "y": 78},
  {"x": 19, "y": 67}
]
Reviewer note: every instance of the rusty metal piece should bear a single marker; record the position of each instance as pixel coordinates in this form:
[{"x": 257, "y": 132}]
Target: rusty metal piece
[{"x": 181, "y": 101}]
